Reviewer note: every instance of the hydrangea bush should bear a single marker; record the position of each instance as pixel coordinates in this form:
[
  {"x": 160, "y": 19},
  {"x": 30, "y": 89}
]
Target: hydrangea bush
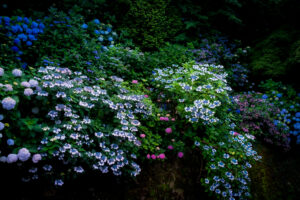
[
  {"x": 257, "y": 115},
  {"x": 200, "y": 92},
  {"x": 287, "y": 100},
  {"x": 67, "y": 112},
  {"x": 19, "y": 121},
  {"x": 83, "y": 126}
]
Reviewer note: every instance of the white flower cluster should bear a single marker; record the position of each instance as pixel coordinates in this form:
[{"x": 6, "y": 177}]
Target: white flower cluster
[
  {"x": 78, "y": 134},
  {"x": 205, "y": 82}
]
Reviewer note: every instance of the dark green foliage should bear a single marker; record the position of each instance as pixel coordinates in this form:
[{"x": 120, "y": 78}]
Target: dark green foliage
[
  {"x": 207, "y": 16},
  {"x": 151, "y": 23},
  {"x": 277, "y": 55},
  {"x": 168, "y": 55}
]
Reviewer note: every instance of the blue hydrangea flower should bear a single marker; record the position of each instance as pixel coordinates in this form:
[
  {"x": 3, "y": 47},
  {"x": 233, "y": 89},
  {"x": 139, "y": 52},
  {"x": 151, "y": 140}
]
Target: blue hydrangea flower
[
  {"x": 297, "y": 125},
  {"x": 41, "y": 26},
  {"x": 17, "y": 41},
  {"x": 96, "y": 21},
  {"x": 34, "y": 25},
  {"x": 31, "y": 37},
  {"x": 15, "y": 48},
  {"x": 10, "y": 142},
  {"x": 264, "y": 96},
  {"x": 1, "y": 126},
  {"x": 84, "y": 26},
  {"x": 28, "y": 43}
]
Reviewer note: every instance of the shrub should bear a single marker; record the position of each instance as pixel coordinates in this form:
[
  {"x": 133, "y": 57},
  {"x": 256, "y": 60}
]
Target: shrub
[
  {"x": 199, "y": 95},
  {"x": 151, "y": 23},
  {"x": 258, "y": 116},
  {"x": 83, "y": 126},
  {"x": 287, "y": 100}
]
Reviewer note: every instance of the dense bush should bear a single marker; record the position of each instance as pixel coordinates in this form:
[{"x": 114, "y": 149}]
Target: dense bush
[
  {"x": 151, "y": 23},
  {"x": 257, "y": 117},
  {"x": 287, "y": 100},
  {"x": 202, "y": 97}
]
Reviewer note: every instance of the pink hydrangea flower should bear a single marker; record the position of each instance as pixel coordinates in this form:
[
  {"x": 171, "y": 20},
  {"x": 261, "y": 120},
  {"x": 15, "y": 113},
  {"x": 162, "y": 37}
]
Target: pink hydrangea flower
[
  {"x": 235, "y": 133},
  {"x": 146, "y": 96},
  {"x": 173, "y": 119},
  {"x": 168, "y": 130},
  {"x": 245, "y": 129},
  {"x": 148, "y": 156},
  {"x": 161, "y": 156},
  {"x": 134, "y": 81},
  {"x": 180, "y": 154},
  {"x": 153, "y": 156},
  {"x": 36, "y": 158},
  {"x": 170, "y": 147},
  {"x": 142, "y": 135},
  {"x": 164, "y": 119}
]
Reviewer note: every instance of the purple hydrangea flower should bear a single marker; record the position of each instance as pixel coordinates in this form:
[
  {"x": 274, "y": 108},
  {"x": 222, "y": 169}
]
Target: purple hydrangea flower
[
  {"x": 8, "y": 103},
  {"x": 25, "y": 84},
  {"x": 8, "y": 87},
  {"x": 33, "y": 83},
  {"x": 17, "y": 72},
  {"x": 1, "y": 71},
  {"x": 11, "y": 158},
  {"x": 36, "y": 158},
  {"x": 23, "y": 154},
  {"x": 28, "y": 92}
]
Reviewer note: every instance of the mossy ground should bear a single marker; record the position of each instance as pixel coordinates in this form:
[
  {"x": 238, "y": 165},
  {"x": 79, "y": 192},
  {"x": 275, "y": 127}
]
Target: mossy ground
[{"x": 277, "y": 176}]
